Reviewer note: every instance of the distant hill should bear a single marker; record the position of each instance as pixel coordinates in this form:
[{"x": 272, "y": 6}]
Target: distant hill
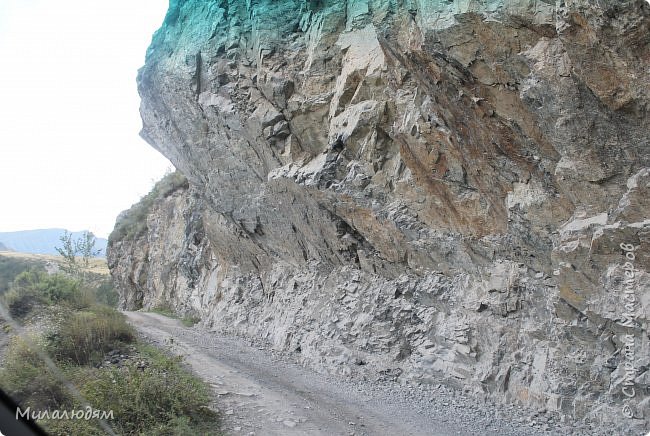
[
  {"x": 3, "y": 247},
  {"x": 41, "y": 241}
]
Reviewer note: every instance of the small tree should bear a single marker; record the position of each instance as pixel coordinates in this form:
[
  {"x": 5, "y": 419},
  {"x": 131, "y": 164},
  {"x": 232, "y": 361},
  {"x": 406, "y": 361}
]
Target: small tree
[
  {"x": 77, "y": 253},
  {"x": 86, "y": 248}
]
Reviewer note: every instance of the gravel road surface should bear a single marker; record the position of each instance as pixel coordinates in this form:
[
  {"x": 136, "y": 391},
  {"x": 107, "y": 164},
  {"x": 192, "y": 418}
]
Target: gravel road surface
[{"x": 261, "y": 392}]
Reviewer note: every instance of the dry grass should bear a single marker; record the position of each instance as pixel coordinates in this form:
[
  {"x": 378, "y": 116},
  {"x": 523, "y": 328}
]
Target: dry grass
[
  {"x": 85, "y": 337},
  {"x": 97, "y": 265}
]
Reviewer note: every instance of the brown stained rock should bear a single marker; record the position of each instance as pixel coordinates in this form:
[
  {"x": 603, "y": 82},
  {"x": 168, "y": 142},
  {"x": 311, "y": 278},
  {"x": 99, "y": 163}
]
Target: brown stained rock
[{"x": 409, "y": 170}]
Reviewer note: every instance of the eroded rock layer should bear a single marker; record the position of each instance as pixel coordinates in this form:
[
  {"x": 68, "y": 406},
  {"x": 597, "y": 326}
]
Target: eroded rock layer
[{"x": 421, "y": 190}]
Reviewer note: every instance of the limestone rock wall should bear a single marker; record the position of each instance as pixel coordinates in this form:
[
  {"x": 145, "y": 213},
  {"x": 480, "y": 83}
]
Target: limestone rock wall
[{"x": 418, "y": 190}]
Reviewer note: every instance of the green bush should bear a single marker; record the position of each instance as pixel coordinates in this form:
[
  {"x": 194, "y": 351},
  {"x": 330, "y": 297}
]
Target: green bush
[
  {"x": 33, "y": 288},
  {"x": 105, "y": 293},
  {"x": 85, "y": 337},
  {"x": 21, "y": 303},
  {"x": 10, "y": 267},
  {"x": 53, "y": 288}
]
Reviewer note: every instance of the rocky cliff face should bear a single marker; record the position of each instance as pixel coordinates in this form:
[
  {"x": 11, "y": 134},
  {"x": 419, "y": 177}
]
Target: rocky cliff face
[{"x": 410, "y": 189}]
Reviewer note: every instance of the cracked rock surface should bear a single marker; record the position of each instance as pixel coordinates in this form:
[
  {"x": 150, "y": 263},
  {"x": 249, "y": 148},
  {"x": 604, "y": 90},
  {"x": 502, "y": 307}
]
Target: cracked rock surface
[{"x": 429, "y": 191}]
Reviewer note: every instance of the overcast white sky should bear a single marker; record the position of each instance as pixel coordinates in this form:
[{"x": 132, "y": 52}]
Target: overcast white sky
[{"x": 70, "y": 154}]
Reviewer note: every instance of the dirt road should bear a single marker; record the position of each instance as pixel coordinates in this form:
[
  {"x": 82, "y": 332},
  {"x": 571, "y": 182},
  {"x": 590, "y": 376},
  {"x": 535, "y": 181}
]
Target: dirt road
[{"x": 261, "y": 393}]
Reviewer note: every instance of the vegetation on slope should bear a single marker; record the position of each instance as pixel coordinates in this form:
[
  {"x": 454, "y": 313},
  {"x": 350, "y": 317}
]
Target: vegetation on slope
[
  {"x": 133, "y": 222},
  {"x": 148, "y": 392},
  {"x": 35, "y": 289},
  {"x": 11, "y": 266}
]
